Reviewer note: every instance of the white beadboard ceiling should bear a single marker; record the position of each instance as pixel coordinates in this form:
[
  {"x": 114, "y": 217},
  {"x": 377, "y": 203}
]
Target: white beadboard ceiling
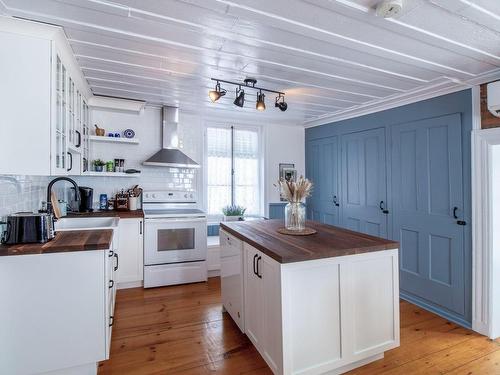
[{"x": 333, "y": 59}]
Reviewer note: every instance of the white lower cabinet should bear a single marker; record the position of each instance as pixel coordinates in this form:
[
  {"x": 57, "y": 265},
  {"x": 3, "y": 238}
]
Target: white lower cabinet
[
  {"x": 57, "y": 312},
  {"x": 131, "y": 253},
  {"x": 263, "y": 307},
  {"x": 324, "y": 316}
]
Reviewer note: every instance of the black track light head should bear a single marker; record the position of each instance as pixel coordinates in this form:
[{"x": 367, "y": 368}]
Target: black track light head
[
  {"x": 240, "y": 97},
  {"x": 281, "y": 104},
  {"x": 260, "y": 105},
  {"x": 216, "y": 94}
]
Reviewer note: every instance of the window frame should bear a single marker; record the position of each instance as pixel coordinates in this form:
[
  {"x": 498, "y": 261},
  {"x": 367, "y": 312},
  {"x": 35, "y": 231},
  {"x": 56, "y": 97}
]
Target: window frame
[{"x": 260, "y": 151}]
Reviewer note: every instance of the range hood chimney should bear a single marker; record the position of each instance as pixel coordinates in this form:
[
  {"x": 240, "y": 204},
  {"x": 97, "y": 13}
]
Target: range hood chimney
[{"x": 170, "y": 155}]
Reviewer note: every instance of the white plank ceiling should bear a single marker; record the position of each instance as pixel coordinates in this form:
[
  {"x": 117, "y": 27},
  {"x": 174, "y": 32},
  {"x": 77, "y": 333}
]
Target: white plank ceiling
[{"x": 332, "y": 58}]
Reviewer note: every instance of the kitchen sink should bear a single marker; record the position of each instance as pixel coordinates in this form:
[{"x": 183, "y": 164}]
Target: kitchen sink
[{"x": 86, "y": 223}]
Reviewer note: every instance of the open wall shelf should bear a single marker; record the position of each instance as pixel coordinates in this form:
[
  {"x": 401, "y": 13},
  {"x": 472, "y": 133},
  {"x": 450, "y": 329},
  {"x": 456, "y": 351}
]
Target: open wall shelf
[{"x": 95, "y": 138}]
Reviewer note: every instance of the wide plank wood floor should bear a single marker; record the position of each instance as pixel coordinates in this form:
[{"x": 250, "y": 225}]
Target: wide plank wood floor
[{"x": 181, "y": 330}]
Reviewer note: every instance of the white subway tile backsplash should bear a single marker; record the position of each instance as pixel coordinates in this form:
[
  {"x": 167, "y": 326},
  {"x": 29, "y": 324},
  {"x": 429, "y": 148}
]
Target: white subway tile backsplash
[{"x": 21, "y": 193}]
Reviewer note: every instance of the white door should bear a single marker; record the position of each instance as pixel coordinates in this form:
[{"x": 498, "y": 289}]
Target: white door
[
  {"x": 172, "y": 240},
  {"x": 131, "y": 251},
  {"x": 271, "y": 347},
  {"x": 253, "y": 297}
]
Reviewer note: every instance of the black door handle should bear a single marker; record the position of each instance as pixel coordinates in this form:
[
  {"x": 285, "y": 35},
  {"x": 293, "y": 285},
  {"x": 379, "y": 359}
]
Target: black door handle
[
  {"x": 455, "y": 209},
  {"x": 111, "y": 284},
  {"x": 382, "y": 207},
  {"x": 140, "y": 228},
  {"x": 335, "y": 201},
  {"x": 461, "y": 222},
  {"x": 79, "y": 139},
  {"x": 254, "y": 264},
  {"x": 71, "y": 161},
  {"x": 116, "y": 256},
  {"x": 111, "y": 253},
  {"x": 111, "y": 320},
  {"x": 258, "y": 273}
]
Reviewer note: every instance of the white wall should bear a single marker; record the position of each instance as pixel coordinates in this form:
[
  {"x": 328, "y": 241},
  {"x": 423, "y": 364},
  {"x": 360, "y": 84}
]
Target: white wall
[{"x": 281, "y": 144}]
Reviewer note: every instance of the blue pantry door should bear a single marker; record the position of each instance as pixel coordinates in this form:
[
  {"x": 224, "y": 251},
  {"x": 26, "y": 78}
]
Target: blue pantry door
[
  {"x": 324, "y": 173},
  {"x": 428, "y": 201},
  {"x": 364, "y": 185},
  {"x": 312, "y": 204}
]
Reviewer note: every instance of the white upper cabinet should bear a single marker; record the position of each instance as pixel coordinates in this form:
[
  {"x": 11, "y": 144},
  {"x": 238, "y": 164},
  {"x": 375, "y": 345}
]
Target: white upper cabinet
[{"x": 43, "y": 96}]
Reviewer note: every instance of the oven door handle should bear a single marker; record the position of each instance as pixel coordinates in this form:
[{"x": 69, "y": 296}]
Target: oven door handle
[{"x": 176, "y": 220}]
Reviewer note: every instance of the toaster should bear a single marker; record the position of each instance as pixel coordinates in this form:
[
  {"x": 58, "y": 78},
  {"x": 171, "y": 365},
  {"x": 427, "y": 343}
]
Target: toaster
[{"x": 28, "y": 227}]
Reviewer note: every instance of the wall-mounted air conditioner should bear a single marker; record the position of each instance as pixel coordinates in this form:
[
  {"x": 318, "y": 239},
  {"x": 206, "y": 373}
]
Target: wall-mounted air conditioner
[{"x": 493, "y": 91}]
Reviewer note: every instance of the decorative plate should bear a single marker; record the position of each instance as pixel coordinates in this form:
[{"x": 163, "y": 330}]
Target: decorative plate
[
  {"x": 128, "y": 133},
  {"x": 304, "y": 232}
]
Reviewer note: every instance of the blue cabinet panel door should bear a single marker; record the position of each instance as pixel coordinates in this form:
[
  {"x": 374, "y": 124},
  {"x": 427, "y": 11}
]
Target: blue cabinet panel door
[
  {"x": 324, "y": 173},
  {"x": 427, "y": 201},
  {"x": 364, "y": 185}
]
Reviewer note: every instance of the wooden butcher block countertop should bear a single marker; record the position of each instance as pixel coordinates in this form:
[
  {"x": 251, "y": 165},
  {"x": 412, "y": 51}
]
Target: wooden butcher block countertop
[
  {"x": 64, "y": 241},
  {"x": 329, "y": 241},
  {"x": 109, "y": 213}
]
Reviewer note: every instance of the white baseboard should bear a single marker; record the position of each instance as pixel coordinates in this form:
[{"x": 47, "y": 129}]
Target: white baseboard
[
  {"x": 131, "y": 284},
  {"x": 214, "y": 273}
]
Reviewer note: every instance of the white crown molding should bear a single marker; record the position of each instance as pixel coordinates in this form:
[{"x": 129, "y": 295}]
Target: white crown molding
[
  {"x": 103, "y": 102},
  {"x": 403, "y": 99}
]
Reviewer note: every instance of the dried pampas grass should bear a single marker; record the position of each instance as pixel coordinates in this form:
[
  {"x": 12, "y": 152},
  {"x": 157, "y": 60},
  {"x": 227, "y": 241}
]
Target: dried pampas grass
[{"x": 295, "y": 192}]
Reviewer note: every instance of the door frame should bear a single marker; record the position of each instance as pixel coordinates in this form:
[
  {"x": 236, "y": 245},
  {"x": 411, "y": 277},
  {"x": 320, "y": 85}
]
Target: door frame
[{"x": 486, "y": 264}]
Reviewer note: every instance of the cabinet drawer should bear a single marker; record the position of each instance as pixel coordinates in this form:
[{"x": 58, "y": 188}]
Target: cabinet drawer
[{"x": 229, "y": 244}]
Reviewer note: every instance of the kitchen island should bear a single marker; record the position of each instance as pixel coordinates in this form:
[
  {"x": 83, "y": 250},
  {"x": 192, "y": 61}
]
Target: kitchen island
[{"x": 319, "y": 304}]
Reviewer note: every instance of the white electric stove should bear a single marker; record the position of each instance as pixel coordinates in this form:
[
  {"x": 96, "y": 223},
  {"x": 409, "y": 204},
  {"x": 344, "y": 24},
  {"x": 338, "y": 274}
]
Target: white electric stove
[{"x": 175, "y": 238}]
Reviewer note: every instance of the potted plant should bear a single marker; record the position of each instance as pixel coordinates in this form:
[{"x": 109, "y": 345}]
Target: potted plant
[
  {"x": 98, "y": 165},
  {"x": 233, "y": 213}
]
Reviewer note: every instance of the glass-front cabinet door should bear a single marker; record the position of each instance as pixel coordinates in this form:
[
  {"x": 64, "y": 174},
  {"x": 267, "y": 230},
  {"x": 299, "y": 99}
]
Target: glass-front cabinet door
[
  {"x": 85, "y": 137},
  {"x": 60, "y": 126}
]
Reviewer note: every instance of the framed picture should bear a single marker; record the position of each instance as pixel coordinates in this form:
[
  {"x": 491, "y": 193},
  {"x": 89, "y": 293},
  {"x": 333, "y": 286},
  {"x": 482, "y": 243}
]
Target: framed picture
[{"x": 287, "y": 172}]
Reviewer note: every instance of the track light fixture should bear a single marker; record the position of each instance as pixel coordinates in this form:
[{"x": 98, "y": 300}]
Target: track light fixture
[
  {"x": 260, "y": 105},
  {"x": 281, "y": 104},
  {"x": 240, "y": 97},
  {"x": 248, "y": 83},
  {"x": 216, "y": 94}
]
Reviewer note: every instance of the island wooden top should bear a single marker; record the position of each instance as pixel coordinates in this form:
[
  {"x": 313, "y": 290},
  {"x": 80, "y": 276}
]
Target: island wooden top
[
  {"x": 329, "y": 241},
  {"x": 109, "y": 213},
  {"x": 64, "y": 241}
]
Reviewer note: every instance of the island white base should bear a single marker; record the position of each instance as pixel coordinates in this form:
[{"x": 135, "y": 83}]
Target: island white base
[
  {"x": 339, "y": 311},
  {"x": 357, "y": 364},
  {"x": 325, "y": 316}
]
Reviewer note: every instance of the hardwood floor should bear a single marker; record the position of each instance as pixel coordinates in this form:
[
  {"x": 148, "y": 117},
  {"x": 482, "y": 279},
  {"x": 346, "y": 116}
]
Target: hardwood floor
[{"x": 181, "y": 330}]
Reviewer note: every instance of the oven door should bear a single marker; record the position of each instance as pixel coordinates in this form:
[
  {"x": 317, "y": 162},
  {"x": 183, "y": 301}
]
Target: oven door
[{"x": 173, "y": 240}]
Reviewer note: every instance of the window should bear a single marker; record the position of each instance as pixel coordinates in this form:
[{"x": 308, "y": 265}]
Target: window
[{"x": 233, "y": 169}]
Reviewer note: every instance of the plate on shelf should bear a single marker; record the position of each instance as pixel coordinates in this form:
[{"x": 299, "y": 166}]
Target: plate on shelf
[{"x": 129, "y": 133}]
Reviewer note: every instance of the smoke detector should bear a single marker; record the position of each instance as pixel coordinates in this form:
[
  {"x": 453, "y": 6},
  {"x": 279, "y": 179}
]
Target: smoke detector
[{"x": 389, "y": 8}]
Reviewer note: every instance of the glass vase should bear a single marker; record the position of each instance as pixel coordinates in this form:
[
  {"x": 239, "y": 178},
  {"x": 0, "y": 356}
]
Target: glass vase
[{"x": 295, "y": 216}]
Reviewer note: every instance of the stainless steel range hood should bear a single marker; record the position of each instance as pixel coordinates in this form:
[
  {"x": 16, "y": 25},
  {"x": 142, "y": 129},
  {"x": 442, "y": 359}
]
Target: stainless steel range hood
[{"x": 170, "y": 155}]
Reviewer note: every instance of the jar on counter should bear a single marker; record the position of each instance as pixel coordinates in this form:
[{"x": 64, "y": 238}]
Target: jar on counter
[{"x": 295, "y": 216}]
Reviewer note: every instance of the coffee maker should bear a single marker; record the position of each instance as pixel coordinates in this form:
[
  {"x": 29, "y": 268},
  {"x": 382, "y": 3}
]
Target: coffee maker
[{"x": 86, "y": 199}]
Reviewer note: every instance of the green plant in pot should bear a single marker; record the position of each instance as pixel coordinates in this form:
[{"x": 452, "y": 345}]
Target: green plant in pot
[
  {"x": 233, "y": 213},
  {"x": 98, "y": 165}
]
